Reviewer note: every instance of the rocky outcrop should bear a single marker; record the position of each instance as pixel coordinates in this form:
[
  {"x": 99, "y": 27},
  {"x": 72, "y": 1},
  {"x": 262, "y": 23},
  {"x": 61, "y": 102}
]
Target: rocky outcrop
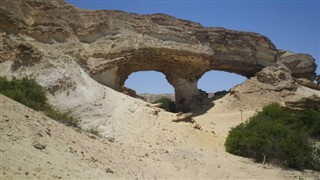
[
  {"x": 110, "y": 45},
  {"x": 27, "y": 55},
  {"x": 277, "y": 78},
  {"x": 308, "y": 83},
  {"x": 312, "y": 102},
  {"x": 300, "y": 65},
  {"x": 269, "y": 79}
]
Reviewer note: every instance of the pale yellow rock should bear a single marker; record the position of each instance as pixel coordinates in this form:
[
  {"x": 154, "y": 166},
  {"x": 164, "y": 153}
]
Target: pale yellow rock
[{"x": 73, "y": 53}]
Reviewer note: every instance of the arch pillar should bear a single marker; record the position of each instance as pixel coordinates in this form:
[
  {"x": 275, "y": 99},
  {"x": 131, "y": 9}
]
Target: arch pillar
[{"x": 187, "y": 93}]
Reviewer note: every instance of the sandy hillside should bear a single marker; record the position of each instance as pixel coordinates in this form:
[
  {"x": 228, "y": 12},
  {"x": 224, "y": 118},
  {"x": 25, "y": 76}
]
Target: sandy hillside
[
  {"x": 83, "y": 57},
  {"x": 36, "y": 147}
]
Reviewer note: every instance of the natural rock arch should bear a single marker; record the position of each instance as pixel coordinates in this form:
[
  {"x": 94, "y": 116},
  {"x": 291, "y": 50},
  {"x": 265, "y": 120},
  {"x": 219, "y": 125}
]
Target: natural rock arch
[
  {"x": 183, "y": 74},
  {"x": 113, "y": 44},
  {"x": 182, "y": 70}
]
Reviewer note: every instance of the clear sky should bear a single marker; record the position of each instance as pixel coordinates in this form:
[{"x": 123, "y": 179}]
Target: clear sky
[{"x": 290, "y": 24}]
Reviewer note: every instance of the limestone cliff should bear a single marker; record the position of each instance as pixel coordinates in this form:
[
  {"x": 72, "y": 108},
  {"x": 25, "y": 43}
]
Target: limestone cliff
[{"x": 110, "y": 45}]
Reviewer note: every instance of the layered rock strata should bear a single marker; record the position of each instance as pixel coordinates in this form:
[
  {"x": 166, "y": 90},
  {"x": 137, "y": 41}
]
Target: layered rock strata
[{"x": 110, "y": 45}]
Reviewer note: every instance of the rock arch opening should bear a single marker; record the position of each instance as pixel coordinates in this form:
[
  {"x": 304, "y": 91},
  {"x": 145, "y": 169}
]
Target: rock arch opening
[
  {"x": 151, "y": 85},
  {"x": 217, "y": 83},
  {"x": 186, "y": 85}
]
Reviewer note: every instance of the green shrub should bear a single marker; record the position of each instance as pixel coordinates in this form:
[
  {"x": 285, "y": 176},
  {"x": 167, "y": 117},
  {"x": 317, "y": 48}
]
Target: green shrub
[
  {"x": 309, "y": 103},
  {"x": 166, "y": 104},
  {"x": 25, "y": 91},
  {"x": 28, "y": 92},
  {"x": 276, "y": 134},
  {"x": 310, "y": 120},
  {"x": 309, "y": 117}
]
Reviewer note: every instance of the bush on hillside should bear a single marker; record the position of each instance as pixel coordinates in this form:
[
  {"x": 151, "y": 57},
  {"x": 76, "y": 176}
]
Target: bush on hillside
[
  {"x": 310, "y": 103},
  {"x": 309, "y": 117},
  {"x": 310, "y": 121},
  {"x": 166, "y": 104},
  {"x": 25, "y": 91},
  {"x": 276, "y": 135},
  {"x": 28, "y": 92},
  {"x": 94, "y": 130},
  {"x": 64, "y": 118}
]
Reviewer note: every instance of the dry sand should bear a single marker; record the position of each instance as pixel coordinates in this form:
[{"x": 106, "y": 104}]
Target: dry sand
[{"x": 160, "y": 150}]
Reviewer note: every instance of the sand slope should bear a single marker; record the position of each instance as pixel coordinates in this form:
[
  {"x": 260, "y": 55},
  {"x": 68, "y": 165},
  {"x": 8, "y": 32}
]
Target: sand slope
[{"x": 161, "y": 150}]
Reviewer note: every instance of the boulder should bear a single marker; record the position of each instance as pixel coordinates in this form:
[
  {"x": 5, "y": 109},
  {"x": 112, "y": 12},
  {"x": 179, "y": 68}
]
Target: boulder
[
  {"x": 300, "y": 65},
  {"x": 277, "y": 78}
]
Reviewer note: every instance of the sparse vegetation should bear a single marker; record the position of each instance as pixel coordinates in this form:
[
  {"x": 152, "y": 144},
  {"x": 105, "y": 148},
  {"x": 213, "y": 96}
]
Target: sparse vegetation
[
  {"x": 31, "y": 94},
  {"x": 279, "y": 136},
  {"x": 166, "y": 104},
  {"x": 94, "y": 131},
  {"x": 64, "y": 118},
  {"x": 25, "y": 91}
]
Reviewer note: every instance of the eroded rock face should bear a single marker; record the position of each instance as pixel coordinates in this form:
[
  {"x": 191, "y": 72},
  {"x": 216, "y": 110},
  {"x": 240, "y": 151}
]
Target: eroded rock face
[
  {"x": 278, "y": 78},
  {"x": 110, "y": 45},
  {"x": 300, "y": 65},
  {"x": 308, "y": 83},
  {"x": 273, "y": 80}
]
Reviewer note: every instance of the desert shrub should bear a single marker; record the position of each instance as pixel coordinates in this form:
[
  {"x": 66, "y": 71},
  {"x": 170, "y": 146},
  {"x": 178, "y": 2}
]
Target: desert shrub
[
  {"x": 94, "y": 131},
  {"x": 64, "y": 118},
  {"x": 28, "y": 92},
  {"x": 309, "y": 103},
  {"x": 25, "y": 91},
  {"x": 166, "y": 104},
  {"x": 273, "y": 133},
  {"x": 310, "y": 120},
  {"x": 309, "y": 116}
]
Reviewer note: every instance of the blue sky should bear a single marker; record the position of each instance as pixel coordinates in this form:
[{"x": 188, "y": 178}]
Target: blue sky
[{"x": 293, "y": 25}]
